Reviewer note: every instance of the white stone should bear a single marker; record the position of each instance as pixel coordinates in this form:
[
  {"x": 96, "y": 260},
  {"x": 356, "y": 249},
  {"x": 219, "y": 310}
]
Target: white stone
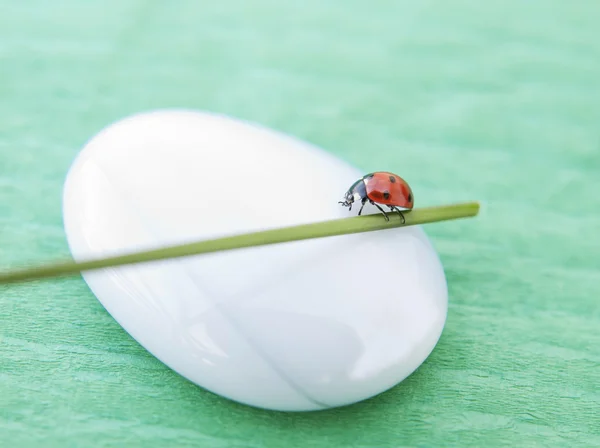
[{"x": 297, "y": 326}]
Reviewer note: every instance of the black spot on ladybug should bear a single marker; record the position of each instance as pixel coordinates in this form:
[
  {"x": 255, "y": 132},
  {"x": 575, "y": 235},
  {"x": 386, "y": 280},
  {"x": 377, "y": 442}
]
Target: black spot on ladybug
[
  {"x": 386, "y": 194},
  {"x": 392, "y": 179},
  {"x": 409, "y": 197}
]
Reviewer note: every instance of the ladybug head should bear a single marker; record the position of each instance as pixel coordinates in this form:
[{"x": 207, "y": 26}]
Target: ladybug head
[
  {"x": 356, "y": 192},
  {"x": 348, "y": 199}
]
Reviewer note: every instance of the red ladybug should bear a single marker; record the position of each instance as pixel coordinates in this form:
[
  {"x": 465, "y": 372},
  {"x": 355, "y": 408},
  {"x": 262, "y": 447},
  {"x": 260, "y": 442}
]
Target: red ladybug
[{"x": 380, "y": 188}]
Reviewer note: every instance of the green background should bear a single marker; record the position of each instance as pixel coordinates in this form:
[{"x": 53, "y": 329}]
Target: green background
[{"x": 469, "y": 100}]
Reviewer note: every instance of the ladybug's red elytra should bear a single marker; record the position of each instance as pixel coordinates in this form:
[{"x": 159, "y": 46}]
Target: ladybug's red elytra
[{"x": 383, "y": 188}]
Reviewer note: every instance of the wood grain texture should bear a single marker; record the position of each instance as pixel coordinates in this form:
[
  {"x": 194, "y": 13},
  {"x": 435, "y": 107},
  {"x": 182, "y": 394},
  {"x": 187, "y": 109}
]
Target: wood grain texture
[{"x": 496, "y": 101}]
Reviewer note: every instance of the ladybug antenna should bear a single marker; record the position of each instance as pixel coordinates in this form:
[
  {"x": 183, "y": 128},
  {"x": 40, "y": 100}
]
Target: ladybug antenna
[{"x": 347, "y": 201}]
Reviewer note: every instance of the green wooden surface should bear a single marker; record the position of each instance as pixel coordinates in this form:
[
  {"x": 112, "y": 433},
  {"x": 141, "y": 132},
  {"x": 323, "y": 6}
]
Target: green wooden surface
[{"x": 495, "y": 101}]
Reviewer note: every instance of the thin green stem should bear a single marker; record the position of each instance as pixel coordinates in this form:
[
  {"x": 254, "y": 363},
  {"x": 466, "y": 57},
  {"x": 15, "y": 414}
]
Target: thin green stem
[{"x": 345, "y": 226}]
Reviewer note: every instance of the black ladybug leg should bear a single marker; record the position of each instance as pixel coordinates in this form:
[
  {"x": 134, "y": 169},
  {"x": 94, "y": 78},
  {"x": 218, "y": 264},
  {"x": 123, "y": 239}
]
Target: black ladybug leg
[
  {"x": 361, "y": 207},
  {"x": 395, "y": 209},
  {"x": 402, "y": 216},
  {"x": 382, "y": 210}
]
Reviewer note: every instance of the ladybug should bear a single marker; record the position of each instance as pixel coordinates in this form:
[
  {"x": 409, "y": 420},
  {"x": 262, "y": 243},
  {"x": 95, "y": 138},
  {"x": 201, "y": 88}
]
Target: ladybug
[{"x": 383, "y": 188}]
